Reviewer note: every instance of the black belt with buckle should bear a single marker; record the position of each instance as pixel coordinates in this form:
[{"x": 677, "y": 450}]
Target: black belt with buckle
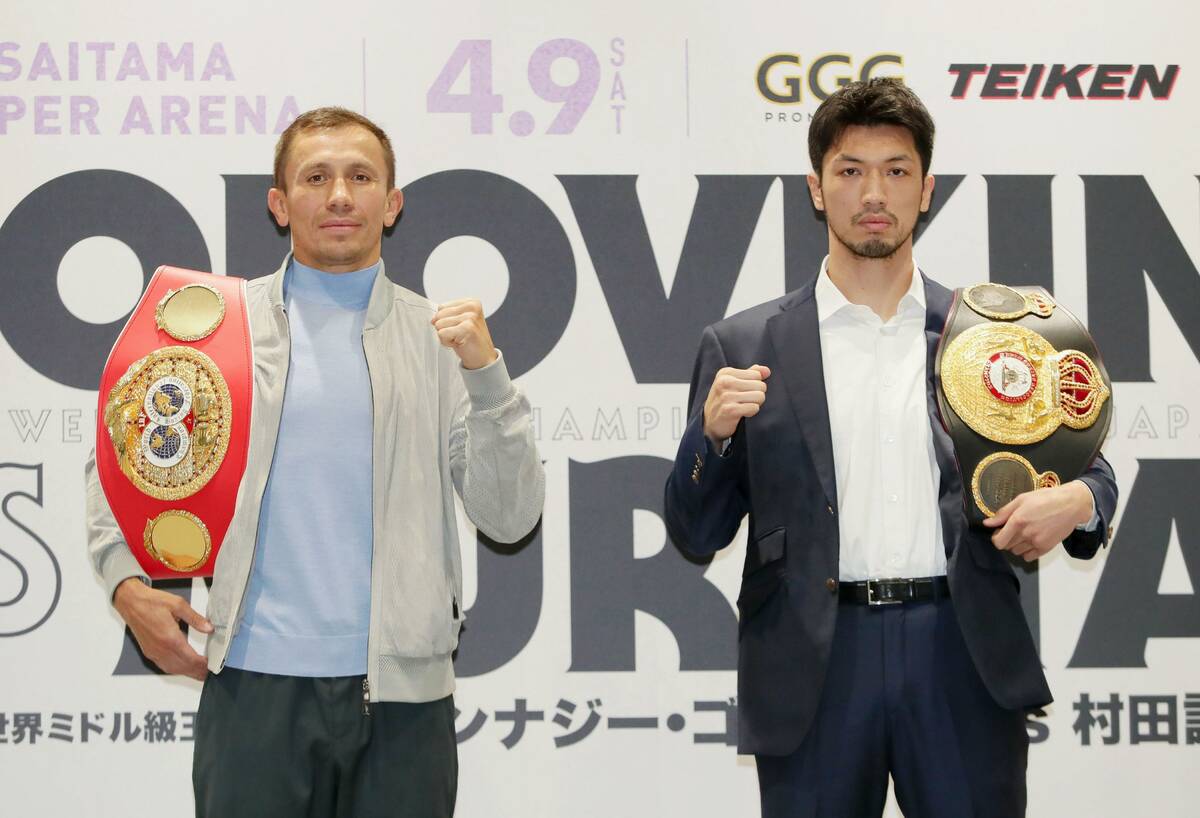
[{"x": 894, "y": 591}]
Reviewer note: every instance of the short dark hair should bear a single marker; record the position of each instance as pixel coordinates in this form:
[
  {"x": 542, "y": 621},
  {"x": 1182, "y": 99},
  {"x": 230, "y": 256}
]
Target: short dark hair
[
  {"x": 328, "y": 119},
  {"x": 878, "y": 101}
]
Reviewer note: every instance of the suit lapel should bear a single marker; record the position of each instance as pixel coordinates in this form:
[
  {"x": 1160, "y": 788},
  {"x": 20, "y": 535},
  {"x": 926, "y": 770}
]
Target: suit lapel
[
  {"x": 795, "y": 334},
  {"x": 937, "y": 306}
]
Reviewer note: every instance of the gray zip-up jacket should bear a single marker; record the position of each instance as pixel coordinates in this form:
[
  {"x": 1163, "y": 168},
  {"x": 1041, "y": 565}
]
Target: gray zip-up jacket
[{"x": 437, "y": 428}]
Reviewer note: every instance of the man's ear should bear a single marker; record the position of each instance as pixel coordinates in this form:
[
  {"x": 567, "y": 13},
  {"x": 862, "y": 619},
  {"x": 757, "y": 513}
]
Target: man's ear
[
  {"x": 814, "y": 190},
  {"x": 927, "y": 192},
  {"x": 395, "y": 203},
  {"x": 277, "y": 204}
]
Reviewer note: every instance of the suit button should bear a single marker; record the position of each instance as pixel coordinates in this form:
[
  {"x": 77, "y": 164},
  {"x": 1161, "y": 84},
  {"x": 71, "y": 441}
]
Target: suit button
[
  {"x": 829, "y": 508},
  {"x": 1110, "y": 532},
  {"x": 831, "y": 585}
]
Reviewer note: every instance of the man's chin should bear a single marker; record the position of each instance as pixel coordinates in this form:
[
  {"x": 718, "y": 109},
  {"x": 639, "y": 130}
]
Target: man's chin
[
  {"x": 340, "y": 258},
  {"x": 345, "y": 247},
  {"x": 874, "y": 249}
]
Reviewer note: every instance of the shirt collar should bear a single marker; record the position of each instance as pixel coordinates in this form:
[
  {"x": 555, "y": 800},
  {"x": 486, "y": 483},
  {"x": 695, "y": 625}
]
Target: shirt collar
[{"x": 830, "y": 299}]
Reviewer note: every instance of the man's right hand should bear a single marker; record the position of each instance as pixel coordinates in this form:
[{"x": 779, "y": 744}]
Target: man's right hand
[
  {"x": 154, "y": 618},
  {"x": 735, "y": 394}
]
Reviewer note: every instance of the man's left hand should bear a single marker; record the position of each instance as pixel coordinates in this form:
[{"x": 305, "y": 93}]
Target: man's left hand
[
  {"x": 1036, "y": 521},
  {"x": 461, "y": 327}
]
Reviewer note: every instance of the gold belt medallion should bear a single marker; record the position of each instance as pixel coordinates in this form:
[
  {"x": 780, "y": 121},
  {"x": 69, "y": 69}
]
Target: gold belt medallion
[
  {"x": 169, "y": 419},
  {"x": 178, "y": 539},
  {"x": 191, "y": 313},
  {"x": 1011, "y": 386},
  {"x": 1002, "y": 303},
  {"x": 1001, "y": 476}
]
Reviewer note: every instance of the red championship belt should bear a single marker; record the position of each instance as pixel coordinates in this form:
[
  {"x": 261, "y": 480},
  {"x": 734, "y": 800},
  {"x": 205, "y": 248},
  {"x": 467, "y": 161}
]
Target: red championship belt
[{"x": 173, "y": 425}]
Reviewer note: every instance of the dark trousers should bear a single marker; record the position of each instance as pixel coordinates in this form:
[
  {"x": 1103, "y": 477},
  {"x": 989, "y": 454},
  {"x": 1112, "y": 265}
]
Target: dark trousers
[
  {"x": 291, "y": 747},
  {"x": 901, "y": 697}
]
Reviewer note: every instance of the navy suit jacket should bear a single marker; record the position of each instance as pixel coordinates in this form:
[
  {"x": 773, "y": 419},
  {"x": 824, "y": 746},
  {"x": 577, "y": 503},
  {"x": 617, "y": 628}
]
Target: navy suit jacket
[{"x": 779, "y": 470}]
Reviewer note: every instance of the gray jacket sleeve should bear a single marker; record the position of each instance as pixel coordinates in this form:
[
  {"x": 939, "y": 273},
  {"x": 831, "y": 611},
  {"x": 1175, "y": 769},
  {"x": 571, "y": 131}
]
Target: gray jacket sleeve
[
  {"x": 494, "y": 461},
  {"x": 106, "y": 546}
]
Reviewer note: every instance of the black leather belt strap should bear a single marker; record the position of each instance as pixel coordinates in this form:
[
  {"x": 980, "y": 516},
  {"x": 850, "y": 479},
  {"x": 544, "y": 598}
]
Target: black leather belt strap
[{"x": 894, "y": 591}]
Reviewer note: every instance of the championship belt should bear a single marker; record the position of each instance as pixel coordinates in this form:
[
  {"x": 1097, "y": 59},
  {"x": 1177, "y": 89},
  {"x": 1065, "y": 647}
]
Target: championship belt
[
  {"x": 1022, "y": 392},
  {"x": 173, "y": 424}
]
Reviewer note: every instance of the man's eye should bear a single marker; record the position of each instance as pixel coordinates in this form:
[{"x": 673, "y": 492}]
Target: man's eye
[
  {"x": 898, "y": 172},
  {"x": 850, "y": 171},
  {"x": 361, "y": 177},
  {"x": 316, "y": 178}
]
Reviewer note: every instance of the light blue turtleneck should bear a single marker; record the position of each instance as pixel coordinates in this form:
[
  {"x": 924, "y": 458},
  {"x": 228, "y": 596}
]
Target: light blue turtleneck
[{"x": 308, "y": 604}]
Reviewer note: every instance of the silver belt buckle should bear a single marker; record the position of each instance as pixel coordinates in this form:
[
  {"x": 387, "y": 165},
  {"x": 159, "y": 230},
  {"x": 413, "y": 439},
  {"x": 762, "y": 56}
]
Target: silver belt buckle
[{"x": 873, "y": 600}]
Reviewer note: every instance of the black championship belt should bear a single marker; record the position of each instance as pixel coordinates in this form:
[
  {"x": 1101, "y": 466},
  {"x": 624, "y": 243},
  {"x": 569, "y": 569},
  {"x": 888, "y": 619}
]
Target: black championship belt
[{"x": 1022, "y": 393}]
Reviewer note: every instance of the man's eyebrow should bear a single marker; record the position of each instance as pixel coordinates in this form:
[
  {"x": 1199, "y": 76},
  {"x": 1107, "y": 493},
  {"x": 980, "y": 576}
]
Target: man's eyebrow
[
  {"x": 314, "y": 164},
  {"x": 325, "y": 164},
  {"x": 900, "y": 157}
]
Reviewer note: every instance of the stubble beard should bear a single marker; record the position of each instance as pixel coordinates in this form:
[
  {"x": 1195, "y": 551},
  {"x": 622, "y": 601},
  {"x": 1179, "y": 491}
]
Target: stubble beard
[{"x": 873, "y": 248}]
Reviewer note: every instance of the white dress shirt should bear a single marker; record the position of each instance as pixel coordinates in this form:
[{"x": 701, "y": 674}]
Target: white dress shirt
[{"x": 885, "y": 467}]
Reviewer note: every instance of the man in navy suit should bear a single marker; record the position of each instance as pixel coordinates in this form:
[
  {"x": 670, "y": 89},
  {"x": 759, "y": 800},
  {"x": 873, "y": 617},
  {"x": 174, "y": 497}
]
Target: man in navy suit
[{"x": 815, "y": 414}]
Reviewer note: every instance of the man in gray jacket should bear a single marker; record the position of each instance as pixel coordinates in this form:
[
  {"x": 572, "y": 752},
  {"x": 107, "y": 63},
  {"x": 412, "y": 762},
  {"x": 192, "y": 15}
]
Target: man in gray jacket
[{"x": 337, "y": 597}]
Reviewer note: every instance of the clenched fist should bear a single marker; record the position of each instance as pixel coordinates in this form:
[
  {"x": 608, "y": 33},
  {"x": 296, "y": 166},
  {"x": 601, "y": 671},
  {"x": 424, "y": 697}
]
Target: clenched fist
[
  {"x": 461, "y": 327},
  {"x": 735, "y": 394}
]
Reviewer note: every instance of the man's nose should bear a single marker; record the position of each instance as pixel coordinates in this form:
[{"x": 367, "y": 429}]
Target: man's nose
[
  {"x": 873, "y": 194},
  {"x": 339, "y": 194}
]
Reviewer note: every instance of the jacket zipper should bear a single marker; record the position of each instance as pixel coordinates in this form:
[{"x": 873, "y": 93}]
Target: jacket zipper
[
  {"x": 237, "y": 616},
  {"x": 372, "y": 660}
]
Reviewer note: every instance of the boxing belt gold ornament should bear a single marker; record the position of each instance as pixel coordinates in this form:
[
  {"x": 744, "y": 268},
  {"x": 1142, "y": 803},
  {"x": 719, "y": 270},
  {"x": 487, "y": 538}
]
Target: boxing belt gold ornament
[
  {"x": 174, "y": 420},
  {"x": 1022, "y": 392}
]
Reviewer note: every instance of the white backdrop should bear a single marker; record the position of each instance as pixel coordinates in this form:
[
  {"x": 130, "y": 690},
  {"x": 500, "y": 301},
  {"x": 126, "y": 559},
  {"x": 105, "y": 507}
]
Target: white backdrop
[{"x": 684, "y": 78}]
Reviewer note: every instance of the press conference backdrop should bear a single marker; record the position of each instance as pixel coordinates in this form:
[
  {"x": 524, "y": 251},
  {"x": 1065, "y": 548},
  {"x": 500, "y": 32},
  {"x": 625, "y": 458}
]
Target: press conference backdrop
[{"x": 608, "y": 179}]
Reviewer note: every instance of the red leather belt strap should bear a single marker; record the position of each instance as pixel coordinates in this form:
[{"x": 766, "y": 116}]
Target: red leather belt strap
[{"x": 173, "y": 425}]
